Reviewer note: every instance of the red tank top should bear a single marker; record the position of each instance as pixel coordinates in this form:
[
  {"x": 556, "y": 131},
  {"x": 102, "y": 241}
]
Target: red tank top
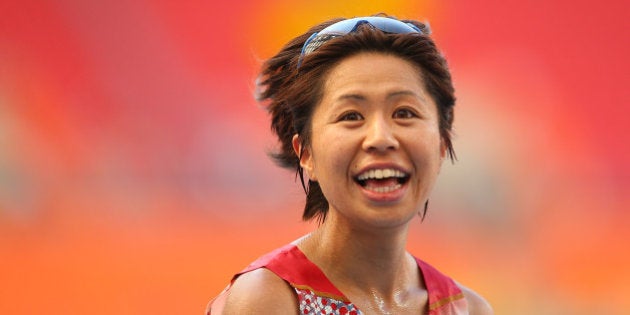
[{"x": 317, "y": 295}]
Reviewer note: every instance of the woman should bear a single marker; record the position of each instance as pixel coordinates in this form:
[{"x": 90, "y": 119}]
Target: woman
[{"x": 363, "y": 108}]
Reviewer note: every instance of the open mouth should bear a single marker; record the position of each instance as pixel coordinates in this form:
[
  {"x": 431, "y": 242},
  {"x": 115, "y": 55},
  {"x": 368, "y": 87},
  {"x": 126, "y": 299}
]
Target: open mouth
[{"x": 382, "y": 180}]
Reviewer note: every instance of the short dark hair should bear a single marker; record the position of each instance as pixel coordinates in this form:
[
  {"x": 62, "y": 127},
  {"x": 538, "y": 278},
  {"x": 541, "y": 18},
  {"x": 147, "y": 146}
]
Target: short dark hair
[{"x": 291, "y": 93}]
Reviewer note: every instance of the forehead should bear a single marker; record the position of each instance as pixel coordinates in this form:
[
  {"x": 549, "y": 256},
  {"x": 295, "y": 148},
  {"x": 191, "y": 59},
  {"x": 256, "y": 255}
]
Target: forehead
[{"x": 373, "y": 74}]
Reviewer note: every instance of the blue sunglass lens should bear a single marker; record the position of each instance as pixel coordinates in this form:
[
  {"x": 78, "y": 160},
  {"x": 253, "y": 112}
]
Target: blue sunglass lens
[
  {"x": 382, "y": 23},
  {"x": 341, "y": 28}
]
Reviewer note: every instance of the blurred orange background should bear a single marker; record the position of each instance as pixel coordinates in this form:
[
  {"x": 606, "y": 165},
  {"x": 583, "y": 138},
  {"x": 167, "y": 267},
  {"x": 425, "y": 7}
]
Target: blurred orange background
[{"x": 133, "y": 174}]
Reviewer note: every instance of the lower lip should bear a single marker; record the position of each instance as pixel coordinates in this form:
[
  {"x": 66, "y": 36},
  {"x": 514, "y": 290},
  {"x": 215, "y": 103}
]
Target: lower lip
[{"x": 386, "y": 197}]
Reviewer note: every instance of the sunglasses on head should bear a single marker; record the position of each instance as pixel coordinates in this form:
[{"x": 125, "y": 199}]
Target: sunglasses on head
[{"x": 344, "y": 27}]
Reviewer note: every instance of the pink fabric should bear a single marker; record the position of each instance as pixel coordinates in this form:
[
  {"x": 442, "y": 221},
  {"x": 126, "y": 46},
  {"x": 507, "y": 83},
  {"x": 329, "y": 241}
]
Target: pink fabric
[
  {"x": 445, "y": 297},
  {"x": 317, "y": 295}
]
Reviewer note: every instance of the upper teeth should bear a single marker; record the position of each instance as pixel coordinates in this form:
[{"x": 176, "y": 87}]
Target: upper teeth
[{"x": 380, "y": 173}]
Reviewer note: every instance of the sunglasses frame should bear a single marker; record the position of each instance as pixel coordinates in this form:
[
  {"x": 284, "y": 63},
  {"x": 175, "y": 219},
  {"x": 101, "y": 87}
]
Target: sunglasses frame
[{"x": 387, "y": 25}]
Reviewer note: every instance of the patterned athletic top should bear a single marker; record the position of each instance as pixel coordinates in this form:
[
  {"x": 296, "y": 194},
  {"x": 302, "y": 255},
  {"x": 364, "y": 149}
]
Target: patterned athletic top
[{"x": 317, "y": 295}]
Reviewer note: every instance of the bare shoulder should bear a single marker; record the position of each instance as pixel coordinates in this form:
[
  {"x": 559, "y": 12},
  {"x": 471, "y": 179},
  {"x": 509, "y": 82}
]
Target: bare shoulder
[
  {"x": 477, "y": 305},
  {"x": 260, "y": 291}
]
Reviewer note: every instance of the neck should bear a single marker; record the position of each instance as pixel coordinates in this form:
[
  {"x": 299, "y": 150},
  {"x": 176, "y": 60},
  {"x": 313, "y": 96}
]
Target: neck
[{"x": 371, "y": 259}]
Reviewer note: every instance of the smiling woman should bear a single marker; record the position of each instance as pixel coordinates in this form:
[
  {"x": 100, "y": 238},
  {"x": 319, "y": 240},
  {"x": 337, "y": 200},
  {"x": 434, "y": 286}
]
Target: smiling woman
[
  {"x": 363, "y": 109},
  {"x": 374, "y": 119}
]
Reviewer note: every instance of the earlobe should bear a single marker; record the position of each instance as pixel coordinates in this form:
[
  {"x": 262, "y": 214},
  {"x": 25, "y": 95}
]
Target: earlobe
[
  {"x": 304, "y": 155},
  {"x": 442, "y": 155}
]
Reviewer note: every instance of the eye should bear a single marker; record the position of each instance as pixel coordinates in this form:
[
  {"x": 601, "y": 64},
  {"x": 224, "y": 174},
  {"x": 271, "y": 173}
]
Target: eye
[
  {"x": 350, "y": 116},
  {"x": 404, "y": 113}
]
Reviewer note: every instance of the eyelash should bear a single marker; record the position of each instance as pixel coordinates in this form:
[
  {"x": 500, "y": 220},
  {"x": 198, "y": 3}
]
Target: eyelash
[
  {"x": 408, "y": 113},
  {"x": 355, "y": 116},
  {"x": 346, "y": 116}
]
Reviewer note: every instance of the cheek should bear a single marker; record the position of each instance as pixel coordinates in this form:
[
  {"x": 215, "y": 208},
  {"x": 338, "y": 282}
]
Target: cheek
[
  {"x": 426, "y": 151},
  {"x": 331, "y": 153}
]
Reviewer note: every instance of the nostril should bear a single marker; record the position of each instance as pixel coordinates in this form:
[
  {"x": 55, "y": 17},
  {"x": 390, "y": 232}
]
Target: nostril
[
  {"x": 381, "y": 144},
  {"x": 379, "y": 136}
]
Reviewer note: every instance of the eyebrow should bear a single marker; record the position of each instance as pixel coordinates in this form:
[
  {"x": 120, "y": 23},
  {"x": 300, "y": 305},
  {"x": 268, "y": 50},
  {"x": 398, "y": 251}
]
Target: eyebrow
[{"x": 360, "y": 97}]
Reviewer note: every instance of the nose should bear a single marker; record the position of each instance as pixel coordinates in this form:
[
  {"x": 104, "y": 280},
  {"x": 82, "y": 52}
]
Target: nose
[{"x": 380, "y": 136}]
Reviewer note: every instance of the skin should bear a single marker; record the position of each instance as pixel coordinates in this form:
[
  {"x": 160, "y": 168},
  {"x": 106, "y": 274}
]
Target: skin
[{"x": 374, "y": 113}]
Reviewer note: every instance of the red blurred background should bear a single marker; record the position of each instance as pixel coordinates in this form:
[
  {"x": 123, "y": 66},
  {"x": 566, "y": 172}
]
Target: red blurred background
[{"x": 133, "y": 174}]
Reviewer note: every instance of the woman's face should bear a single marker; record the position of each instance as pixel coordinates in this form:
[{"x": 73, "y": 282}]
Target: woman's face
[{"x": 375, "y": 144}]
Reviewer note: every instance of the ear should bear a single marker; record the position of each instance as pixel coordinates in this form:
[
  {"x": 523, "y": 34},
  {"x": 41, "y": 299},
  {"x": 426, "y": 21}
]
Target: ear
[
  {"x": 443, "y": 153},
  {"x": 304, "y": 154},
  {"x": 442, "y": 150}
]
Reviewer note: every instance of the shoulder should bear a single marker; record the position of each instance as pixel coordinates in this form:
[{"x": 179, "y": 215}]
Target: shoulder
[
  {"x": 259, "y": 291},
  {"x": 439, "y": 282},
  {"x": 477, "y": 305}
]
